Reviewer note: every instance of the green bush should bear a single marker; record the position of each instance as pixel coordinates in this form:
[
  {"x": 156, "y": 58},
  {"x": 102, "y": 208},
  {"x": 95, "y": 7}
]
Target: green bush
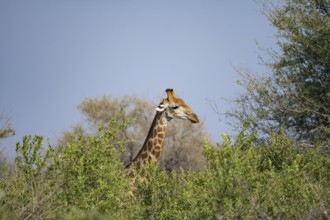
[
  {"x": 30, "y": 191},
  {"x": 242, "y": 179},
  {"x": 85, "y": 174}
]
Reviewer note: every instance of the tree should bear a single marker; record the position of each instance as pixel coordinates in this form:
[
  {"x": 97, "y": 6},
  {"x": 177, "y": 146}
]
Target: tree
[
  {"x": 6, "y": 129},
  {"x": 296, "y": 95},
  {"x": 183, "y": 144}
]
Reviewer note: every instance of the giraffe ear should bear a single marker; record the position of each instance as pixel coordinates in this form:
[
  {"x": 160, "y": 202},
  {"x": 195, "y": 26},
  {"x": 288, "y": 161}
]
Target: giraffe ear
[{"x": 160, "y": 108}]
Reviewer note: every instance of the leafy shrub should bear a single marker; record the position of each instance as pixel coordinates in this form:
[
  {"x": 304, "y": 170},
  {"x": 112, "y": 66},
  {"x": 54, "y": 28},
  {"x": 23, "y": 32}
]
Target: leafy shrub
[
  {"x": 243, "y": 179},
  {"x": 30, "y": 190},
  {"x": 85, "y": 175}
]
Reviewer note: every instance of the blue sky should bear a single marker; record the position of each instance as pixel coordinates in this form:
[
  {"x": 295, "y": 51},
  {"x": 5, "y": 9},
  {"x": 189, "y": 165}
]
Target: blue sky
[{"x": 53, "y": 54}]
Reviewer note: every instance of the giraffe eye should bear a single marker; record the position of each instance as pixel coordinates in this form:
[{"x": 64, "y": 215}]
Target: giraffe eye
[{"x": 175, "y": 107}]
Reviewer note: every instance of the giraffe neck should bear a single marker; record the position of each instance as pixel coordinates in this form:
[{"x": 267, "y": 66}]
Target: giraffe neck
[{"x": 153, "y": 145}]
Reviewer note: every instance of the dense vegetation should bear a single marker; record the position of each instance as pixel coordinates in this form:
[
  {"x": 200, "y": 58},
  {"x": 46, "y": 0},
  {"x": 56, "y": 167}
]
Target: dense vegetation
[
  {"x": 84, "y": 180},
  {"x": 295, "y": 95},
  {"x": 277, "y": 167}
]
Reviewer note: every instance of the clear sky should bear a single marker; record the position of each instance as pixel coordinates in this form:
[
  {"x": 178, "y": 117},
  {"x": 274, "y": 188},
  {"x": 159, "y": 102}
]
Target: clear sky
[{"x": 53, "y": 54}]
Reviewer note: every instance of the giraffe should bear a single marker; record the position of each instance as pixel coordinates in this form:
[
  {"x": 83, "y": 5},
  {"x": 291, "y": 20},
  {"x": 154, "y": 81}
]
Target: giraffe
[{"x": 170, "y": 108}]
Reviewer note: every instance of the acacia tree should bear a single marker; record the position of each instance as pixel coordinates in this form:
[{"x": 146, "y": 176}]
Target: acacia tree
[
  {"x": 296, "y": 95},
  {"x": 183, "y": 144}
]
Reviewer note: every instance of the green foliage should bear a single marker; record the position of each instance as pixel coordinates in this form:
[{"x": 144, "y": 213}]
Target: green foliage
[
  {"x": 85, "y": 175},
  {"x": 304, "y": 64},
  {"x": 30, "y": 190},
  {"x": 242, "y": 179},
  {"x": 93, "y": 177},
  {"x": 295, "y": 95}
]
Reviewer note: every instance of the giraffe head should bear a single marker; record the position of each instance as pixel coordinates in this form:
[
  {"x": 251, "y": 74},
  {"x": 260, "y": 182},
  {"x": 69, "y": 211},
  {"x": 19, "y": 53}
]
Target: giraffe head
[{"x": 176, "y": 108}]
